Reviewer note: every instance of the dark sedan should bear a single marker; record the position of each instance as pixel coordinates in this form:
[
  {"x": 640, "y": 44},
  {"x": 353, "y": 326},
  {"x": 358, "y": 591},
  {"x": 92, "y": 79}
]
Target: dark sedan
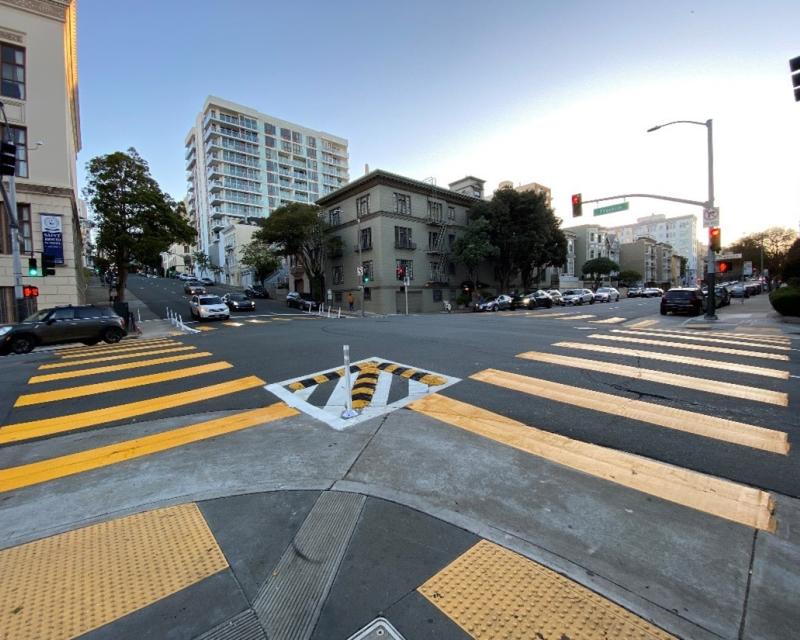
[
  {"x": 683, "y": 300},
  {"x": 537, "y": 299},
  {"x": 256, "y": 291},
  {"x": 238, "y": 302},
  {"x": 301, "y": 300},
  {"x": 194, "y": 288}
]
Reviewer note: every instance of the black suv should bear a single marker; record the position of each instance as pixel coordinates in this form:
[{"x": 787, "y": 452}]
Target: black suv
[
  {"x": 685, "y": 300},
  {"x": 86, "y": 323}
]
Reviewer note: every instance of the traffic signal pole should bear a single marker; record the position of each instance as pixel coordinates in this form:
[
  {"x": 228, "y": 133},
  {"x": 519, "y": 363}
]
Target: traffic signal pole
[
  {"x": 711, "y": 303},
  {"x": 10, "y": 202}
]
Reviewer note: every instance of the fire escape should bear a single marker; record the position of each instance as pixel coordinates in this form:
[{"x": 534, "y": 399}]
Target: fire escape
[{"x": 438, "y": 244}]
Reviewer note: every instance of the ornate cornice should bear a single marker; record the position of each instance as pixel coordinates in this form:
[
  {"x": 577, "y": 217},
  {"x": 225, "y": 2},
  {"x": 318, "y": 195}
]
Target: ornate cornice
[
  {"x": 44, "y": 190},
  {"x": 10, "y": 36},
  {"x": 50, "y": 8}
]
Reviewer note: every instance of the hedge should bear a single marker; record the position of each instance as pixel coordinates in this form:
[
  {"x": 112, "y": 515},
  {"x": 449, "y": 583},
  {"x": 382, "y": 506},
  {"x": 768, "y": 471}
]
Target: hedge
[{"x": 786, "y": 301}]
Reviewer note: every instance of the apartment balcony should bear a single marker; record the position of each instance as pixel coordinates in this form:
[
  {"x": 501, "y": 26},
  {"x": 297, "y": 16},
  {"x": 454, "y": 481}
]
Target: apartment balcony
[
  {"x": 405, "y": 245},
  {"x": 364, "y": 246},
  {"x": 435, "y": 219},
  {"x": 436, "y": 249},
  {"x": 215, "y": 185}
]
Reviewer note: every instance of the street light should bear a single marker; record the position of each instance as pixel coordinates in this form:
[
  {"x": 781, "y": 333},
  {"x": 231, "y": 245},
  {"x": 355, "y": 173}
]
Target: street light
[{"x": 711, "y": 305}]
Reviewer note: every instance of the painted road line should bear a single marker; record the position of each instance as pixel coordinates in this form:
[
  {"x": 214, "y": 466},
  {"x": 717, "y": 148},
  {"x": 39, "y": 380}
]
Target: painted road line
[
  {"x": 75, "y": 421},
  {"x": 643, "y": 323},
  {"x": 116, "y": 385},
  {"x": 38, "y": 472},
  {"x": 692, "y": 347},
  {"x": 257, "y": 321},
  {"x": 321, "y": 378},
  {"x": 425, "y": 377},
  {"x": 138, "y": 364},
  {"x": 578, "y": 317},
  {"x": 668, "y": 357},
  {"x": 111, "y": 347},
  {"x": 364, "y": 387},
  {"x": 746, "y": 435},
  {"x": 703, "y": 338},
  {"x": 491, "y": 592},
  {"x": 89, "y": 353},
  {"x": 233, "y": 324},
  {"x": 613, "y": 320},
  {"x": 124, "y": 356},
  {"x": 781, "y": 340},
  {"x": 202, "y": 327},
  {"x": 673, "y": 379},
  {"x": 533, "y": 314},
  {"x": 722, "y": 498}
]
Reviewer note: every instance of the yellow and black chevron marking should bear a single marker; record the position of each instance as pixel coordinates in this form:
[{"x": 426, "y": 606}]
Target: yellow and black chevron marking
[
  {"x": 431, "y": 379},
  {"x": 322, "y": 378},
  {"x": 364, "y": 388}
]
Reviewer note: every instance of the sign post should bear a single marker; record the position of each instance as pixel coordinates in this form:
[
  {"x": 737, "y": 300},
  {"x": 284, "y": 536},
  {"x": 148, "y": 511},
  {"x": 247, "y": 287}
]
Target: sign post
[
  {"x": 405, "y": 288},
  {"x": 710, "y": 217}
]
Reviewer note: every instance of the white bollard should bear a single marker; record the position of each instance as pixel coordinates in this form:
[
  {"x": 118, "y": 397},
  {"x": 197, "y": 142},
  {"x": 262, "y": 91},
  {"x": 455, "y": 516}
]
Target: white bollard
[
  {"x": 139, "y": 313},
  {"x": 180, "y": 322},
  {"x": 329, "y": 311},
  {"x": 339, "y": 315},
  {"x": 349, "y": 412}
]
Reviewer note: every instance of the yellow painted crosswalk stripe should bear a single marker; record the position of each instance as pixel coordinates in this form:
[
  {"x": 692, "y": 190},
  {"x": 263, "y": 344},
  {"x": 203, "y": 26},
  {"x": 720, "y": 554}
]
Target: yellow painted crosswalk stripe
[
  {"x": 138, "y": 364},
  {"x": 233, "y": 324},
  {"x": 749, "y": 337},
  {"x": 124, "y": 356},
  {"x": 702, "y": 338},
  {"x": 746, "y": 435},
  {"x": 202, "y": 327},
  {"x": 676, "y": 380},
  {"x": 116, "y": 385},
  {"x": 257, "y": 321},
  {"x": 643, "y": 323},
  {"x": 113, "y": 347},
  {"x": 668, "y": 357},
  {"x": 612, "y": 320},
  {"x": 74, "y": 421},
  {"x": 577, "y": 317},
  {"x": 532, "y": 314},
  {"x": 53, "y": 468},
  {"x": 121, "y": 348},
  {"x": 692, "y": 347},
  {"x": 722, "y": 498}
]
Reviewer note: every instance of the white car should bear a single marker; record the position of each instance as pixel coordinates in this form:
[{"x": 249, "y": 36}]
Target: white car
[
  {"x": 578, "y": 296},
  {"x": 185, "y": 276},
  {"x": 606, "y": 294},
  {"x": 204, "y": 307}
]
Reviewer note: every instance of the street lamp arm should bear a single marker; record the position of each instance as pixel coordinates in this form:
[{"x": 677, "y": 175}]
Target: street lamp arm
[{"x": 661, "y": 126}]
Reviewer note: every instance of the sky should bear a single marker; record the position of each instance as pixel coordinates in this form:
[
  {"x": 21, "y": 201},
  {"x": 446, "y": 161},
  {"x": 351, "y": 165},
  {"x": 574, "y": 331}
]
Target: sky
[{"x": 555, "y": 92}]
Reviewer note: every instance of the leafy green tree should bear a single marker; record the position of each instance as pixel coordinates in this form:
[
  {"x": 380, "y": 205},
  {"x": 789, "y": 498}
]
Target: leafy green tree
[
  {"x": 260, "y": 257},
  {"x": 136, "y": 220},
  {"x": 474, "y": 247},
  {"x": 299, "y": 230},
  {"x": 599, "y": 267},
  {"x": 775, "y": 242},
  {"x": 629, "y": 277},
  {"x": 791, "y": 265},
  {"x": 201, "y": 261}
]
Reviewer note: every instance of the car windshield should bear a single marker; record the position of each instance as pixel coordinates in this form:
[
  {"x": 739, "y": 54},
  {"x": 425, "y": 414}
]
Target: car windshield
[
  {"x": 237, "y": 296},
  {"x": 306, "y": 296},
  {"x": 38, "y": 316},
  {"x": 570, "y": 292},
  {"x": 211, "y": 300},
  {"x": 604, "y": 290}
]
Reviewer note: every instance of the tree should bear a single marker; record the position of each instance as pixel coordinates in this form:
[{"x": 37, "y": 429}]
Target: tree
[
  {"x": 260, "y": 257},
  {"x": 298, "y": 229},
  {"x": 135, "y": 219},
  {"x": 629, "y": 276},
  {"x": 201, "y": 261},
  {"x": 599, "y": 267},
  {"x": 791, "y": 266},
  {"x": 474, "y": 247},
  {"x": 775, "y": 242}
]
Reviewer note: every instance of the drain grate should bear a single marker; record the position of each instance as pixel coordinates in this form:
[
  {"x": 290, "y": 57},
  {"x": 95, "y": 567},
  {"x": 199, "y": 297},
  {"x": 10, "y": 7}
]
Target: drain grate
[{"x": 378, "y": 629}]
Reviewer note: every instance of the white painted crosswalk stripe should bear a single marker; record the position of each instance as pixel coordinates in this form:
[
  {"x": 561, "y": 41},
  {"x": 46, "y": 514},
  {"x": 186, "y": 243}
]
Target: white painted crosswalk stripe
[
  {"x": 703, "y": 338},
  {"x": 692, "y": 347}
]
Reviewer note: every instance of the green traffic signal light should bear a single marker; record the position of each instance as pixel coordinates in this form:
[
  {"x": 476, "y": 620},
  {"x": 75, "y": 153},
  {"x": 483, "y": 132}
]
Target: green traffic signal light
[{"x": 33, "y": 268}]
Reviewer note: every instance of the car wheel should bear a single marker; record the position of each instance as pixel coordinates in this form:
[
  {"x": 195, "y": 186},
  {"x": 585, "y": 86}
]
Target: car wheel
[
  {"x": 92, "y": 342},
  {"x": 112, "y": 336},
  {"x": 591, "y": 301},
  {"x": 22, "y": 344},
  {"x": 663, "y": 312}
]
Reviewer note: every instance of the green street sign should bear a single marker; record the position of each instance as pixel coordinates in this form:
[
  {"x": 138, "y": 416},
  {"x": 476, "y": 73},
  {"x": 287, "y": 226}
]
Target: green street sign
[{"x": 622, "y": 206}]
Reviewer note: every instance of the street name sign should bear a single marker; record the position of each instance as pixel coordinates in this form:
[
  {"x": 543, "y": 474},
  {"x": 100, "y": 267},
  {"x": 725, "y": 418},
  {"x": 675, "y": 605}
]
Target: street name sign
[
  {"x": 612, "y": 208},
  {"x": 729, "y": 256},
  {"x": 710, "y": 217}
]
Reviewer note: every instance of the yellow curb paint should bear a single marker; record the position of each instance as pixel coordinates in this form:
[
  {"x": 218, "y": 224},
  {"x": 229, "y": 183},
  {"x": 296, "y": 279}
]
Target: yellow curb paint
[
  {"x": 676, "y": 380},
  {"x": 668, "y": 357},
  {"x": 38, "y": 472},
  {"x": 116, "y": 385},
  {"x": 702, "y": 338},
  {"x": 125, "y": 356},
  {"x": 138, "y": 364},
  {"x": 722, "y": 498},
  {"x": 74, "y": 421},
  {"x": 692, "y": 347},
  {"x": 740, "y": 433},
  {"x": 113, "y": 347}
]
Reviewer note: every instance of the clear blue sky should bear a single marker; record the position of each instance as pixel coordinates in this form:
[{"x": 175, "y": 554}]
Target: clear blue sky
[{"x": 553, "y": 92}]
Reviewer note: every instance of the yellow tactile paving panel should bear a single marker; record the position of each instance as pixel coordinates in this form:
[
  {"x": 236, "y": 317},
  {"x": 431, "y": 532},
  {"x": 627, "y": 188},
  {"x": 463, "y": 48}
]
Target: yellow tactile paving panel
[
  {"x": 493, "y": 593},
  {"x": 67, "y": 585}
]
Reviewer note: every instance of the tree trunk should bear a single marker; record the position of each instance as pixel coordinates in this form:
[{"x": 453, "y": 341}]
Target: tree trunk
[{"x": 122, "y": 279}]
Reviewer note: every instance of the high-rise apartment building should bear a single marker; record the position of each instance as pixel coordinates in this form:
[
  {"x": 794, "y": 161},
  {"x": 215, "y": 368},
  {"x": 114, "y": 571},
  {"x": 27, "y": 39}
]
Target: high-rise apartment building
[{"x": 242, "y": 164}]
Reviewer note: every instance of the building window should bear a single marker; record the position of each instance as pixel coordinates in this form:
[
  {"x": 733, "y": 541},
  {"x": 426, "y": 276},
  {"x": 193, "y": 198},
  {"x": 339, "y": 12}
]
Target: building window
[
  {"x": 366, "y": 239},
  {"x": 402, "y": 203},
  {"x": 269, "y": 142},
  {"x": 334, "y": 216},
  {"x": 435, "y": 210},
  {"x": 311, "y": 142},
  {"x": 338, "y": 274},
  {"x": 451, "y": 268},
  {"x": 591, "y": 253},
  {"x": 437, "y": 295},
  {"x": 367, "y": 293},
  {"x": 402, "y": 238},
  {"x": 269, "y": 128},
  {"x": 311, "y": 153},
  {"x": 337, "y": 296},
  {"x": 20, "y": 136},
  {"x": 286, "y": 134},
  {"x": 433, "y": 240},
  {"x": 451, "y": 213},
  {"x": 24, "y": 219},
  {"x": 367, "y": 267},
  {"x": 408, "y": 265},
  {"x": 13, "y": 58},
  {"x": 591, "y": 237},
  {"x": 297, "y": 136},
  {"x": 362, "y": 205}
]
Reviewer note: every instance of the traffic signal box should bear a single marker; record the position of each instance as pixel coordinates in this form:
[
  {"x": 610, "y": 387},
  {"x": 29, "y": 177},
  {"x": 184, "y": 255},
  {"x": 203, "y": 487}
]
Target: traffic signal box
[
  {"x": 401, "y": 273},
  {"x": 29, "y": 291},
  {"x": 48, "y": 265},
  {"x": 33, "y": 267},
  {"x": 8, "y": 158},
  {"x": 577, "y": 205},
  {"x": 724, "y": 266},
  {"x": 714, "y": 238}
]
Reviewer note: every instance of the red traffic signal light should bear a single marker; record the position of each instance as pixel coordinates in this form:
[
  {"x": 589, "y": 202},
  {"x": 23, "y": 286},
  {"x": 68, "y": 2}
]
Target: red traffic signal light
[
  {"x": 724, "y": 266},
  {"x": 577, "y": 205},
  {"x": 29, "y": 291},
  {"x": 714, "y": 238},
  {"x": 401, "y": 273}
]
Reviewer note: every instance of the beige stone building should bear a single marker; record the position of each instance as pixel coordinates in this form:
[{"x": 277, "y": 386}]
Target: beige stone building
[
  {"x": 234, "y": 237},
  {"x": 38, "y": 43},
  {"x": 653, "y": 260}
]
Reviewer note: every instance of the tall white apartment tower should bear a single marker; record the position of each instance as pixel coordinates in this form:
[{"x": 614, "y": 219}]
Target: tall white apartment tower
[{"x": 242, "y": 164}]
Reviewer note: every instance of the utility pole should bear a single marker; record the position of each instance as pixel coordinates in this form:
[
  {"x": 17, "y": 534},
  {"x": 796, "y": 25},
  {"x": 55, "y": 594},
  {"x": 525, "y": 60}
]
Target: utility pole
[
  {"x": 360, "y": 264},
  {"x": 711, "y": 303},
  {"x": 10, "y": 202}
]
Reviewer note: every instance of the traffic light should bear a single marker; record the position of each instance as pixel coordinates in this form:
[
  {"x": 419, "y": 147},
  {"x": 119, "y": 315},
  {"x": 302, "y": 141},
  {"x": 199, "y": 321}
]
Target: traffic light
[
  {"x": 29, "y": 291},
  {"x": 401, "y": 273},
  {"x": 33, "y": 267},
  {"x": 714, "y": 238},
  {"x": 366, "y": 278},
  {"x": 48, "y": 265},
  {"x": 794, "y": 68},
  {"x": 8, "y": 158},
  {"x": 724, "y": 266},
  {"x": 577, "y": 205}
]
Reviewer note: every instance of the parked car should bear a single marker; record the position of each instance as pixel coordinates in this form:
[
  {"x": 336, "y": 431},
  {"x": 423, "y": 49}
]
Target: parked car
[
  {"x": 753, "y": 287},
  {"x": 556, "y": 297},
  {"x": 256, "y": 291},
  {"x": 238, "y": 302},
  {"x": 207, "y": 281},
  {"x": 578, "y": 296},
  {"x": 185, "y": 276},
  {"x": 722, "y": 296},
  {"x": 683, "y": 300},
  {"x": 499, "y": 303},
  {"x": 738, "y": 290},
  {"x": 635, "y": 292},
  {"x": 204, "y": 307},
  {"x": 194, "y": 288},
  {"x": 536, "y": 299},
  {"x": 606, "y": 294},
  {"x": 301, "y": 300},
  {"x": 85, "y": 323}
]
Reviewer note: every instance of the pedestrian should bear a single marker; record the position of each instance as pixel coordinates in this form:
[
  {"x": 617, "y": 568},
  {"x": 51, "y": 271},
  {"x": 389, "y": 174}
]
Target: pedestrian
[{"x": 350, "y": 300}]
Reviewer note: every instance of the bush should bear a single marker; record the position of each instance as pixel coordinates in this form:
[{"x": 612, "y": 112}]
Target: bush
[
  {"x": 786, "y": 301},
  {"x": 463, "y": 299}
]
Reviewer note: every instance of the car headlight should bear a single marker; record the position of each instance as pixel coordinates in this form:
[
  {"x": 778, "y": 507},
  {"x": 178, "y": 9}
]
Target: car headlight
[{"x": 4, "y": 330}]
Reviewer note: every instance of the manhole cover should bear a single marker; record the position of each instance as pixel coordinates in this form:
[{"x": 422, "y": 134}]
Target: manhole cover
[{"x": 378, "y": 629}]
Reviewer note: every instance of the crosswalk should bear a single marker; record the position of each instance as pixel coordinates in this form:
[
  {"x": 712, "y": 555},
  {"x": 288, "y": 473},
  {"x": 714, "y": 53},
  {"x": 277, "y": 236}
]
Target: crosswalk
[
  {"x": 747, "y": 377},
  {"x": 90, "y": 378},
  {"x": 248, "y": 321},
  {"x": 547, "y": 314}
]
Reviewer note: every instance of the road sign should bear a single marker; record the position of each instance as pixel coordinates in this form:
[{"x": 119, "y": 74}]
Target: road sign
[
  {"x": 360, "y": 271},
  {"x": 747, "y": 268},
  {"x": 710, "y": 217},
  {"x": 612, "y": 208},
  {"x": 729, "y": 256}
]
